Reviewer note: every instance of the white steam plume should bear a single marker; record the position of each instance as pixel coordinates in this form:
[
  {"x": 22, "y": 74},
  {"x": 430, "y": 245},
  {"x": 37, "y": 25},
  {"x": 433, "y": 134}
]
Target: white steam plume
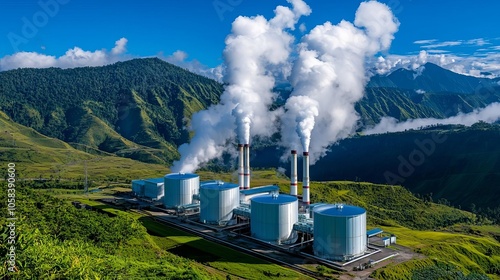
[
  {"x": 489, "y": 114},
  {"x": 305, "y": 110},
  {"x": 330, "y": 71},
  {"x": 254, "y": 46}
]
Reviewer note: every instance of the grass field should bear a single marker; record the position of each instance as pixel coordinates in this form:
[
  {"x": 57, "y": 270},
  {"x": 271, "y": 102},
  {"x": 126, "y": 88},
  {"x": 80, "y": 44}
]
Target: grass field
[
  {"x": 469, "y": 253},
  {"x": 214, "y": 255},
  {"x": 219, "y": 260}
]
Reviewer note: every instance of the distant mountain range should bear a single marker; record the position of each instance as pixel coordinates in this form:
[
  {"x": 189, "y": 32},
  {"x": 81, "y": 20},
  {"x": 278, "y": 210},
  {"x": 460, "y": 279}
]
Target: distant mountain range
[{"x": 140, "y": 108}]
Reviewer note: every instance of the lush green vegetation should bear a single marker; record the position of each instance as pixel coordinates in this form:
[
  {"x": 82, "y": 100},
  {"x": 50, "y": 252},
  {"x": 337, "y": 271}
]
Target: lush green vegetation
[
  {"x": 58, "y": 241},
  {"x": 135, "y": 109},
  {"x": 390, "y": 205},
  {"x": 214, "y": 255},
  {"x": 458, "y": 254}
]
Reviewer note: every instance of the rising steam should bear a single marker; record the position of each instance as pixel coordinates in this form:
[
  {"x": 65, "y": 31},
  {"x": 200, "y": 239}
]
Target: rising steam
[
  {"x": 329, "y": 78},
  {"x": 254, "y": 46}
]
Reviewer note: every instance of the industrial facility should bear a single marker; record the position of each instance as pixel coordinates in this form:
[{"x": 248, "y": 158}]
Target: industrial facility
[{"x": 332, "y": 232}]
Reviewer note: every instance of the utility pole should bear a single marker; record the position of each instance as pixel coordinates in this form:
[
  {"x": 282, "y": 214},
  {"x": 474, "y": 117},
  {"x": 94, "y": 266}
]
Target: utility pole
[{"x": 86, "y": 186}]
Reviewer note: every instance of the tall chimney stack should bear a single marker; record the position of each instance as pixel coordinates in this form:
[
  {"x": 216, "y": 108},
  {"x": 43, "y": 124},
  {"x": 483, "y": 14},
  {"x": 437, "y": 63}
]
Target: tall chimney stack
[
  {"x": 305, "y": 180},
  {"x": 293, "y": 174},
  {"x": 246, "y": 149},
  {"x": 241, "y": 170}
]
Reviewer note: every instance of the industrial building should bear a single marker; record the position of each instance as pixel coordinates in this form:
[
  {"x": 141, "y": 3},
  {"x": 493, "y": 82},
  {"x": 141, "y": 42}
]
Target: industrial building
[
  {"x": 151, "y": 189},
  {"x": 337, "y": 232},
  {"x": 138, "y": 187}
]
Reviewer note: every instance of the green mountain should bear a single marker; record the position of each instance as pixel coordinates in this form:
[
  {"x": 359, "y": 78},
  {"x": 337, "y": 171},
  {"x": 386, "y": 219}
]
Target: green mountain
[{"x": 136, "y": 109}]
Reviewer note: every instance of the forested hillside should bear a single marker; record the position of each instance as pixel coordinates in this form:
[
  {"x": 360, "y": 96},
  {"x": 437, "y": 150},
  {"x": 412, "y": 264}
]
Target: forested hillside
[{"x": 111, "y": 108}]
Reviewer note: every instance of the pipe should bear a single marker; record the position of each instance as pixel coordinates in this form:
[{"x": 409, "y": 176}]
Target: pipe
[
  {"x": 305, "y": 180},
  {"x": 241, "y": 170},
  {"x": 293, "y": 174},
  {"x": 247, "y": 166}
]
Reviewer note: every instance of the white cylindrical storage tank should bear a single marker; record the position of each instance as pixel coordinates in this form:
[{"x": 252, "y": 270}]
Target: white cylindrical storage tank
[
  {"x": 179, "y": 189},
  {"x": 339, "y": 232},
  {"x": 217, "y": 201},
  {"x": 272, "y": 218}
]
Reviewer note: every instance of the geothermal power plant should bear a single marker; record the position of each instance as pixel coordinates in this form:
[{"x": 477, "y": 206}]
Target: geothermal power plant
[{"x": 332, "y": 232}]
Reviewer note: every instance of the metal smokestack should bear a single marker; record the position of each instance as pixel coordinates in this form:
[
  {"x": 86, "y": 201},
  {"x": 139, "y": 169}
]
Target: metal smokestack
[
  {"x": 305, "y": 180},
  {"x": 246, "y": 149},
  {"x": 241, "y": 170},
  {"x": 293, "y": 174}
]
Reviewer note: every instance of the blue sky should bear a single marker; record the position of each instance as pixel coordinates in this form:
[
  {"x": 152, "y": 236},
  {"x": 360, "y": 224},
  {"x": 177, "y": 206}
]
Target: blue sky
[{"x": 460, "y": 35}]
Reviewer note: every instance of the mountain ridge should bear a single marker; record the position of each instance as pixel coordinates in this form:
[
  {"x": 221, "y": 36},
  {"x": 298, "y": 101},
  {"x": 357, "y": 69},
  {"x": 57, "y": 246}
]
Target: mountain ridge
[
  {"x": 141, "y": 101},
  {"x": 434, "y": 79}
]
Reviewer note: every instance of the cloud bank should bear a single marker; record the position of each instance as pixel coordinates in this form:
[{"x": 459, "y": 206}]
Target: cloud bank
[
  {"x": 75, "y": 57},
  {"x": 489, "y": 114}
]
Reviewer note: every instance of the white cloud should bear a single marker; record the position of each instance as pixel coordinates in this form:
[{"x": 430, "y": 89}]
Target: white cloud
[
  {"x": 27, "y": 60},
  {"x": 478, "y": 42},
  {"x": 437, "y": 51},
  {"x": 179, "y": 58},
  {"x": 420, "y": 91},
  {"x": 75, "y": 57},
  {"x": 302, "y": 27},
  {"x": 443, "y": 44},
  {"x": 120, "y": 46},
  {"x": 422, "y": 42}
]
